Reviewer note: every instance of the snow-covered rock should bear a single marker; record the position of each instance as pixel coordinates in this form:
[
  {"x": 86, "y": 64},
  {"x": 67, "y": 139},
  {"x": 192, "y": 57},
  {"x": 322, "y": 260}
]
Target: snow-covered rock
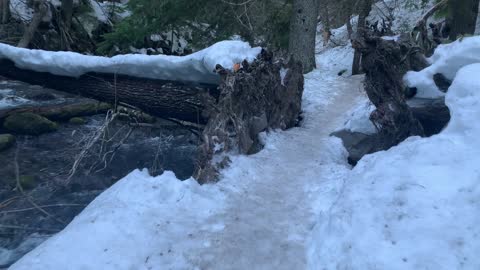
[
  {"x": 447, "y": 60},
  {"x": 197, "y": 67},
  {"x": 359, "y": 118}
]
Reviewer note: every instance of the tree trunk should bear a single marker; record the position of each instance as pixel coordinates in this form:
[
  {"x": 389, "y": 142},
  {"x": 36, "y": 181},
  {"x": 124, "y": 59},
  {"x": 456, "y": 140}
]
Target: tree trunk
[
  {"x": 5, "y": 11},
  {"x": 365, "y": 8},
  {"x": 462, "y": 17},
  {"x": 166, "y": 99},
  {"x": 303, "y": 31},
  {"x": 67, "y": 13},
  {"x": 41, "y": 9}
]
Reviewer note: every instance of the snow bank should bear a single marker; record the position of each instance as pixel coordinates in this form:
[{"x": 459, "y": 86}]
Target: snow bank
[
  {"x": 447, "y": 60},
  {"x": 139, "y": 223},
  {"x": 416, "y": 205},
  {"x": 197, "y": 67}
]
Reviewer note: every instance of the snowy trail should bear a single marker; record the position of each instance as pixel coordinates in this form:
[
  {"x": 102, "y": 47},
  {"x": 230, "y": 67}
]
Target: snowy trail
[{"x": 267, "y": 221}]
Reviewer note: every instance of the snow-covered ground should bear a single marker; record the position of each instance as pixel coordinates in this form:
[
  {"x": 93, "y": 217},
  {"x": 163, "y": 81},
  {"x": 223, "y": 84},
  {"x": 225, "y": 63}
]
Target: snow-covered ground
[
  {"x": 197, "y": 67},
  {"x": 416, "y": 205},
  {"x": 297, "y": 204},
  {"x": 259, "y": 216}
]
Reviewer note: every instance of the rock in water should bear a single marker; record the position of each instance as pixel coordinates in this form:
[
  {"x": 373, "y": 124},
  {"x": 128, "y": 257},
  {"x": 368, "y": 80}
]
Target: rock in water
[
  {"x": 29, "y": 124},
  {"x": 77, "y": 121},
  {"x": 442, "y": 82},
  {"x": 6, "y": 141}
]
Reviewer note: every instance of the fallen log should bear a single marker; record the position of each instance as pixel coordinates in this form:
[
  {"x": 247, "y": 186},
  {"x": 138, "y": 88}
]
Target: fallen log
[
  {"x": 185, "y": 101},
  {"x": 256, "y": 97}
]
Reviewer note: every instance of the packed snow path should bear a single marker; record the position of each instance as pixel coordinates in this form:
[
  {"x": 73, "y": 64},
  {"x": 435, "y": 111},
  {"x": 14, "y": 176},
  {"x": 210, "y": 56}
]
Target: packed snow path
[{"x": 268, "y": 220}]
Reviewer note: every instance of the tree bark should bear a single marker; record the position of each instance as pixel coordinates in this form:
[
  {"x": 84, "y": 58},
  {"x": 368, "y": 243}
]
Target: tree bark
[
  {"x": 5, "y": 11},
  {"x": 303, "y": 31},
  {"x": 462, "y": 17},
  {"x": 67, "y": 13},
  {"x": 41, "y": 9},
  {"x": 365, "y": 8},
  {"x": 166, "y": 99}
]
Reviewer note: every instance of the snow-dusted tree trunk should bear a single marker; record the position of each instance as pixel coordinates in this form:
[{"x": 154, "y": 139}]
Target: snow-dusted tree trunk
[
  {"x": 41, "y": 9},
  {"x": 365, "y": 8},
  {"x": 303, "y": 30},
  {"x": 4, "y": 11},
  {"x": 462, "y": 17}
]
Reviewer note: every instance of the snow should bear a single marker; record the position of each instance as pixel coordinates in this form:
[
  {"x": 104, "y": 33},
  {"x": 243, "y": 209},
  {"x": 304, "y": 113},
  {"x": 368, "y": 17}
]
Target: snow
[
  {"x": 297, "y": 204},
  {"x": 359, "y": 117},
  {"x": 197, "y": 67},
  {"x": 447, "y": 60},
  {"x": 394, "y": 38},
  {"x": 7, "y": 257},
  {"x": 136, "y": 224},
  {"x": 414, "y": 206},
  {"x": 258, "y": 216},
  {"x": 9, "y": 100}
]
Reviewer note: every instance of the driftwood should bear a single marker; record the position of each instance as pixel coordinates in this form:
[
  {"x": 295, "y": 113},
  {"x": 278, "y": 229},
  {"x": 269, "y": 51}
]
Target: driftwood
[
  {"x": 167, "y": 99},
  {"x": 254, "y": 99}
]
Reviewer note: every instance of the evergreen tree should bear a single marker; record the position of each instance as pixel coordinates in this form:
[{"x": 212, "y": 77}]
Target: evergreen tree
[{"x": 261, "y": 22}]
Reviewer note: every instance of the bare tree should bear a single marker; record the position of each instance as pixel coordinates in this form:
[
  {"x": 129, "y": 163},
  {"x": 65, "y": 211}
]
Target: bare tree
[
  {"x": 40, "y": 10},
  {"x": 365, "y": 9},
  {"x": 303, "y": 31},
  {"x": 4, "y": 11}
]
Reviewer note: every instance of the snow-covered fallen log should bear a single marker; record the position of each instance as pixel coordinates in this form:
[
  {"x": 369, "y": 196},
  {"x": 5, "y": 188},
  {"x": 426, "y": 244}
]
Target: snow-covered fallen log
[
  {"x": 165, "y": 86},
  {"x": 166, "y": 99},
  {"x": 257, "y": 95},
  {"x": 198, "y": 67}
]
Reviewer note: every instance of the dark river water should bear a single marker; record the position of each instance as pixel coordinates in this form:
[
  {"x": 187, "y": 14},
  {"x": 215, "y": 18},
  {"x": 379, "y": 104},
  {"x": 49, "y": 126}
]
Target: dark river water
[{"x": 46, "y": 163}]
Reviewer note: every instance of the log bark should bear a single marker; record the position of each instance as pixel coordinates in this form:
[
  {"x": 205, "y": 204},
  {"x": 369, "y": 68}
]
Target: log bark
[
  {"x": 165, "y": 99},
  {"x": 385, "y": 63}
]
